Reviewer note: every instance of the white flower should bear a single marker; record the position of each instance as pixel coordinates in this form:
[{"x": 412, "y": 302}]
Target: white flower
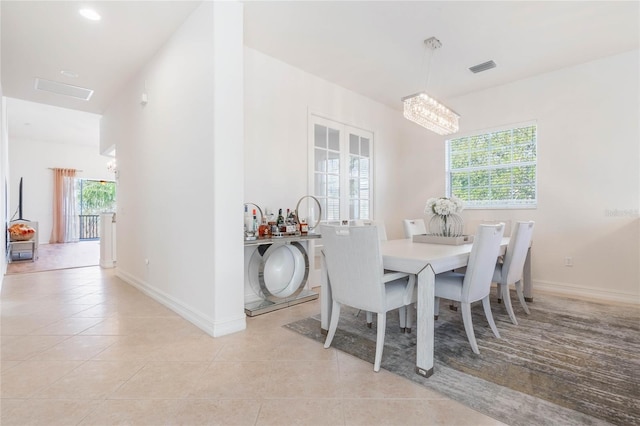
[{"x": 443, "y": 206}]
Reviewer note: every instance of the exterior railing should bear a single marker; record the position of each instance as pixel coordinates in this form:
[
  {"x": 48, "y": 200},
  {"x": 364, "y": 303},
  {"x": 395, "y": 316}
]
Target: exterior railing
[{"x": 89, "y": 227}]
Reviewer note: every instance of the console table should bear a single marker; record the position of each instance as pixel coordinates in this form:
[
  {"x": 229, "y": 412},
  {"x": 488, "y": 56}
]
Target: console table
[{"x": 275, "y": 273}]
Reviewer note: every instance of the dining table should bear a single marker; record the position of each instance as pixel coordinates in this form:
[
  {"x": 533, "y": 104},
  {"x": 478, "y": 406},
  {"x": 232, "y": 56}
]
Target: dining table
[{"x": 425, "y": 260}]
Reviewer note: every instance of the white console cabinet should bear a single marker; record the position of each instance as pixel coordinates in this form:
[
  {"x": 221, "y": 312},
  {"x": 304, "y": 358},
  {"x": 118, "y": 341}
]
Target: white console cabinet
[{"x": 276, "y": 272}]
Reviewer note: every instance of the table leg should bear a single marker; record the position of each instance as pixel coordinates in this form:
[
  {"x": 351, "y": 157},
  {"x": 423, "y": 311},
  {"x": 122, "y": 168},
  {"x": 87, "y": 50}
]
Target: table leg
[
  {"x": 526, "y": 278},
  {"x": 326, "y": 300},
  {"x": 425, "y": 323}
]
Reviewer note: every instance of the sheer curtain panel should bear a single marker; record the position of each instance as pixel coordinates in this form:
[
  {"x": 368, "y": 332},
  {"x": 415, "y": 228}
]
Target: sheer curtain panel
[{"x": 65, "y": 217}]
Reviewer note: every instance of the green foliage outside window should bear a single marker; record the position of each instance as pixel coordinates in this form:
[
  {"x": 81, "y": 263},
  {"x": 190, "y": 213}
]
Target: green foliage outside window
[
  {"x": 96, "y": 197},
  {"x": 496, "y": 169}
]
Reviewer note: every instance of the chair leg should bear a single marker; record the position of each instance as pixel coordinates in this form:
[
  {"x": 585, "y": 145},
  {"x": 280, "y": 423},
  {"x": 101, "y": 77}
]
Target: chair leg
[
  {"x": 402, "y": 313},
  {"x": 520, "y": 293},
  {"x": 507, "y": 304},
  {"x": 436, "y": 308},
  {"x": 410, "y": 309},
  {"x": 499, "y": 291},
  {"x": 382, "y": 325},
  {"x": 487, "y": 312},
  {"x": 369, "y": 319},
  {"x": 468, "y": 326},
  {"x": 333, "y": 324}
]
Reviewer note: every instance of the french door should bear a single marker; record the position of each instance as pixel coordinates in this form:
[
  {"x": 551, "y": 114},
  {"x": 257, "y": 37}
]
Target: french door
[{"x": 341, "y": 169}]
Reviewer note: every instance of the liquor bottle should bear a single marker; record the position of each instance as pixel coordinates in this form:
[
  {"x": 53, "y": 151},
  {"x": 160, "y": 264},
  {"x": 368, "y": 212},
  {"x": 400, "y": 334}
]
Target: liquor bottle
[
  {"x": 254, "y": 222},
  {"x": 290, "y": 223},
  {"x": 247, "y": 220},
  {"x": 264, "y": 230},
  {"x": 280, "y": 223}
]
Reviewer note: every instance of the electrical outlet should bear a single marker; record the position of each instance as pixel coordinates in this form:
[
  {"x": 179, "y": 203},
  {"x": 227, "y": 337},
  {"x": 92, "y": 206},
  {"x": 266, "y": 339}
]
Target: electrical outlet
[{"x": 568, "y": 261}]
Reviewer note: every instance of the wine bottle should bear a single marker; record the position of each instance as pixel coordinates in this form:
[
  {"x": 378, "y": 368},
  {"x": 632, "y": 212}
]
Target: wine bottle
[
  {"x": 280, "y": 223},
  {"x": 290, "y": 223}
]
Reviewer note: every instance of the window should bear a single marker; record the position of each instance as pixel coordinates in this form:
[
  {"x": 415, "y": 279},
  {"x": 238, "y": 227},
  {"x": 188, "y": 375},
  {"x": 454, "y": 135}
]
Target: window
[
  {"x": 342, "y": 174},
  {"x": 495, "y": 169},
  {"x": 93, "y": 197}
]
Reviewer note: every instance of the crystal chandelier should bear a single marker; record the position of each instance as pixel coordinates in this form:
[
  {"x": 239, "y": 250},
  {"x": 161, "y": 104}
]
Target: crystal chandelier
[{"x": 428, "y": 112}]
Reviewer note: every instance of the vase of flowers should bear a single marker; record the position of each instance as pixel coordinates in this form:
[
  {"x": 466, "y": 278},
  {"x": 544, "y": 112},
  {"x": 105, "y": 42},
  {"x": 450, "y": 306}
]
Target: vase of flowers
[{"x": 445, "y": 220}]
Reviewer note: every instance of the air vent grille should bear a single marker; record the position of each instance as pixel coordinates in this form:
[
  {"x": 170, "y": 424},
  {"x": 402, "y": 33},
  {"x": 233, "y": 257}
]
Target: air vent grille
[
  {"x": 63, "y": 89},
  {"x": 482, "y": 67}
]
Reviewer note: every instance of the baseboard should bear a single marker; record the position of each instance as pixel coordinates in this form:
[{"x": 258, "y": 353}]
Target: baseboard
[
  {"x": 107, "y": 264},
  {"x": 197, "y": 318},
  {"x": 585, "y": 292}
]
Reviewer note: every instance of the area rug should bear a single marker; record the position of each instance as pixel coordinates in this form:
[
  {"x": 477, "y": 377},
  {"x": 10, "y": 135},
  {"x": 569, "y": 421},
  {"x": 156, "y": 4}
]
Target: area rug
[{"x": 570, "y": 362}]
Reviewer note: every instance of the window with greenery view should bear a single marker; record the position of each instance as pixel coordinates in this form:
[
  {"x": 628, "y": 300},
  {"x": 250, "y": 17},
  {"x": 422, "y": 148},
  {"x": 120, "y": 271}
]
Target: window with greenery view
[
  {"x": 495, "y": 169},
  {"x": 96, "y": 196},
  {"x": 93, "y": 197}
]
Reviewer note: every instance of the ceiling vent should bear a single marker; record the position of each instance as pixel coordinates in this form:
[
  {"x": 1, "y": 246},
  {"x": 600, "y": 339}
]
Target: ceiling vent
[
  {"x": 482, "y": 67},
  {"x": 63, "y": 89}
]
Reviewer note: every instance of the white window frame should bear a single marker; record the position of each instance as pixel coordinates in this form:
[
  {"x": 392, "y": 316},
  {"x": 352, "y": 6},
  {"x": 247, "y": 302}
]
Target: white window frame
[
  {"x": 344, "y": 152},
  {"x": 495, "y": 204}
]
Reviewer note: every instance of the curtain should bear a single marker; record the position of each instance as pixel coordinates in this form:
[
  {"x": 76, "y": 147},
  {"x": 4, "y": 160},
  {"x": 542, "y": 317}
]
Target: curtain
[{"x": 65, "y": 217}]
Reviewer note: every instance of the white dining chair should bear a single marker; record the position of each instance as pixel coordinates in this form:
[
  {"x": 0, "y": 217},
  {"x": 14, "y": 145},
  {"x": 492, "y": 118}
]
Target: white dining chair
[
  {"x": 405, "y": 319},
  {"x": 413, "y": 227},
  {"x": 357, "y": 278},
  {"x": 382, "y": 230},
  {"x": 510, "y": 270},
  {"x": 475, "y": 283}
]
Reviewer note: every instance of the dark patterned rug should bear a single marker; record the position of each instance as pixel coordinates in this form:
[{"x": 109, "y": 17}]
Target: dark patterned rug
[{"x": 570, "y": 362}]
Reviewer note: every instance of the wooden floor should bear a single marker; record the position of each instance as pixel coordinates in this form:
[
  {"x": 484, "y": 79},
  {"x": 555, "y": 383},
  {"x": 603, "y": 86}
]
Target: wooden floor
[{"x": 59, "y": 256}]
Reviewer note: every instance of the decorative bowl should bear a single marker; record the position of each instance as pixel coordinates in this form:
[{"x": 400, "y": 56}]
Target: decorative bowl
[{"x": 21, "y": 232}]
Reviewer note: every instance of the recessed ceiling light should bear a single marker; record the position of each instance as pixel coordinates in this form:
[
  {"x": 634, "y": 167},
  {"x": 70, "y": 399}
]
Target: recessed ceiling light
[
  {"x": 90, "y": 14},
  {"x": 69, "y": 74}
]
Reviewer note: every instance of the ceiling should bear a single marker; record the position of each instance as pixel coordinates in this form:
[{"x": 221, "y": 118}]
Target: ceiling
[
  {"x": 42, "y": 38},
  {"x": 377, "y": 48},
  {"x": 48, "y": 123},
  {"x": 374, "y": 48}
]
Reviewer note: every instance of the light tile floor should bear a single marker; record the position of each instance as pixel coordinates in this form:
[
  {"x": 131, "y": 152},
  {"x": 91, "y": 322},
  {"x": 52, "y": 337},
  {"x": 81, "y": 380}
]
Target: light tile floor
[{"x": 81, "y": 347}]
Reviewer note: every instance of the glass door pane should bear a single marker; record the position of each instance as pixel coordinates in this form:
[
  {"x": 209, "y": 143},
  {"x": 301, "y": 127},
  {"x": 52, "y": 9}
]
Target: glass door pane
[
  {"x": 359, "y": 175},
  {"x": 327, "y": 169}
]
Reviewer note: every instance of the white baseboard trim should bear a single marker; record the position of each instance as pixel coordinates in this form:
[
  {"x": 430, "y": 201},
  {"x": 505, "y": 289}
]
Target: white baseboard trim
[
  {"x": 197, "y": 318},
  {"x": 585, "y": 292},
  {"x": 107, "y": 264}
]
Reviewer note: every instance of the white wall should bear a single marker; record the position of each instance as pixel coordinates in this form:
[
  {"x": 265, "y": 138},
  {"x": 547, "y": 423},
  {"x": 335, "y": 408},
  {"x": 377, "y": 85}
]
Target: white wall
[
  {"x": 4, "y": 179},
  {"x": 588, "y": 172},
  {"x": 278, "y": 100},
  {"x": 4, "y": 175},
  {"x": 181, "y": 173},
  {"x": 410, "y": 161},
  {"x": 32, "y": 160}
]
